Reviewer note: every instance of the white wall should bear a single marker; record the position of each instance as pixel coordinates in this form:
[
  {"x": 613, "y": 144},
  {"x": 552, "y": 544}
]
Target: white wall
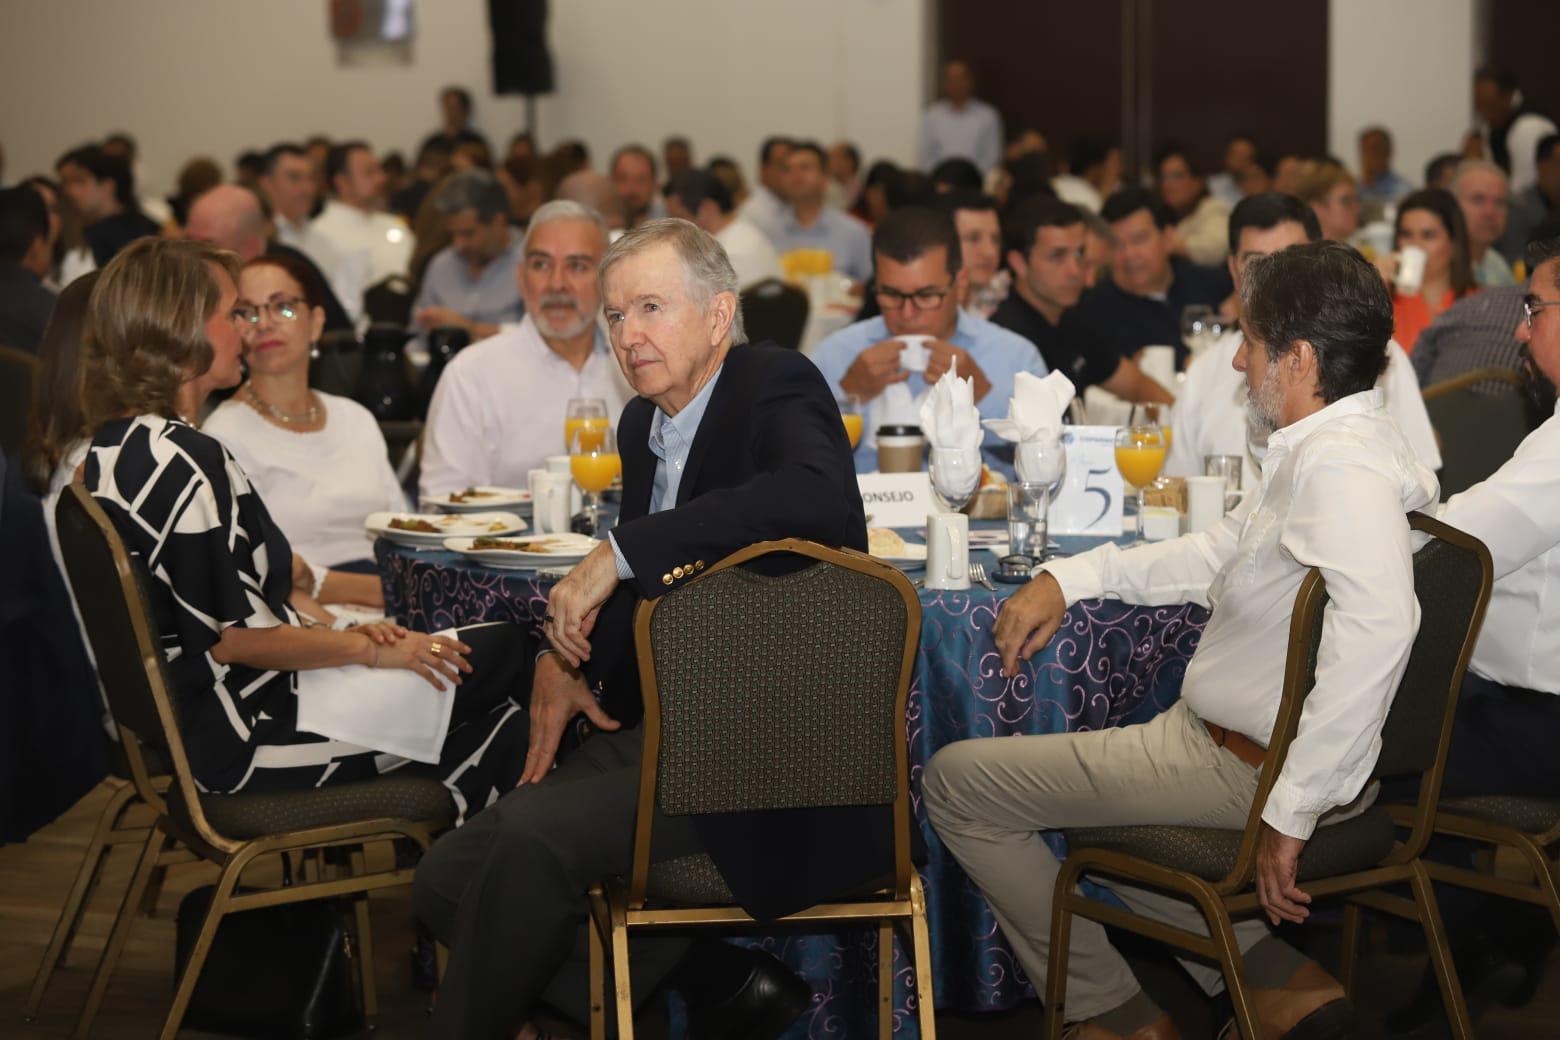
[
  {"x": 1406, "y": 64},
  {"x": 220, "y": 76}
]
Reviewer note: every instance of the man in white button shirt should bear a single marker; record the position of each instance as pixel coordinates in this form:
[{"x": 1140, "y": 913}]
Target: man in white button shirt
[
  {"x": 287, "y": 182},
  {"x": 1210, "y": 417},
  {"x": 1336, "y": 483},
  {"x": 370, "y": 244},
  {"x": 498, "y": 410},
  {"x": 1507, "y": 729}
]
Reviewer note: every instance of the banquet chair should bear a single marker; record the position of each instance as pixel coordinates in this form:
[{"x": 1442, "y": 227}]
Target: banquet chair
[
  {"x": 339, "y": 364},
  {"x": 1358, "y": 858},
  {"x": 776, "y": 311},
  {"x": 1479, "y": 418},
  {"x": 18, "y": 369},
  {"x": 390, "y": 300},
  {"x": 819, "y": 661},
  {"x": 229, "y": 831}
]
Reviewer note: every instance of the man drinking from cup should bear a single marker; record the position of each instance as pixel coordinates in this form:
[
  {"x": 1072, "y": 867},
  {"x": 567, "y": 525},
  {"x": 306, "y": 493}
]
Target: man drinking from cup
[{"x": 889, "y": 362}]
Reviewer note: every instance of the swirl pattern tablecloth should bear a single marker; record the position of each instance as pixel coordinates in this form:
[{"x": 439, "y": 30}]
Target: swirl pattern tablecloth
[{"x": 1110, "y": 664}]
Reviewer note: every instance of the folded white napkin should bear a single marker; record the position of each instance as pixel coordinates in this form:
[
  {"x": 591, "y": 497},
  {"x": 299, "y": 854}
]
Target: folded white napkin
[
  {"x": 1036, "y": 409},
  {"x": 390, "y": 710},
  {"x": 949, "y": 418}
]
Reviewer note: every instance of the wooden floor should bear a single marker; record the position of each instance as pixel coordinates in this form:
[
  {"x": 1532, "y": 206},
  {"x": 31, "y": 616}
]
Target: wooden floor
[{"x": 34, "y": 878}]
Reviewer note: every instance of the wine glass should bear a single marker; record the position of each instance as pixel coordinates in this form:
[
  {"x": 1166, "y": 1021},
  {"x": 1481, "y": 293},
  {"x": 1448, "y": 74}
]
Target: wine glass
[
  {"x": 595, "y": 464},
  {"x": 850, "y": 413},
  {"x": 1140, "y": 455},
  {"x": 955, "y": 475},
  {"x": 583, "y": 413},
  {"x": 1195, "y": 332},
  {"x": 1040, "y": 465}
]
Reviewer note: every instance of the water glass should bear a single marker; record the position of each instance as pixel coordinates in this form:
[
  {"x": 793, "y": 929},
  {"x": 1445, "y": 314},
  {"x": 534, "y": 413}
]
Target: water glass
[
  {"x": 955, "y": 475},
  {"x": 1028, "y": 516},
  {"x": 1230, "y": 468}
]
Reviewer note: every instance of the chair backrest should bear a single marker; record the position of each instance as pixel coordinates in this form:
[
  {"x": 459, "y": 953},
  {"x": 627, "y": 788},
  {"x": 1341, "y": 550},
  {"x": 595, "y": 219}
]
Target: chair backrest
[
  {"x": 18, "y": 371},
  {"x": 1453, "y": 575},
  {"x": 775, "y": 311},
  {"x": 1480, "y": 418},
  {"x": 111, "y": 589},
  {"x": 390, "y": 300},
  {"x": 784, "y": 691},
  {"x": 339, "y": 365}
]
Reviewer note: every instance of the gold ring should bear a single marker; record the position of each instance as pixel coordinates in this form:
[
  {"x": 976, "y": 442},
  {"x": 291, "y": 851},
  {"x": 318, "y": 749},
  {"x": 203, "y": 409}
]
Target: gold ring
[{"x": 437, "y": 649}]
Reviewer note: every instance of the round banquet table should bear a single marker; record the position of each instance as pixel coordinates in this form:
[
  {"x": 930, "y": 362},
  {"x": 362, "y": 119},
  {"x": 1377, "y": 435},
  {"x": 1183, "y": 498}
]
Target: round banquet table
[{"x": 1110, "y": 664}]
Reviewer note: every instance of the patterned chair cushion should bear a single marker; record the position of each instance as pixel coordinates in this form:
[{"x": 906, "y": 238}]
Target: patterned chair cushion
[
  {"x": 244, "y": 816},
  {"x": 1533, "y": 815},
  {"x": 688, "y": 881},
  {"x": 1209, "y": 852}
]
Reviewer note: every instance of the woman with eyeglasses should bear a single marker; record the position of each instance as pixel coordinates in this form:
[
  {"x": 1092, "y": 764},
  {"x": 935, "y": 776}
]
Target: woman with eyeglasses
[{"x": 318, "y": 460}]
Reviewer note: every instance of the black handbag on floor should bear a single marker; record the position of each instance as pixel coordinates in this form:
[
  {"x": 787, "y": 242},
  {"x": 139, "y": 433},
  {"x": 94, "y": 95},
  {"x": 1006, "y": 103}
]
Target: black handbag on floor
[{"x": 279, "y": 971}]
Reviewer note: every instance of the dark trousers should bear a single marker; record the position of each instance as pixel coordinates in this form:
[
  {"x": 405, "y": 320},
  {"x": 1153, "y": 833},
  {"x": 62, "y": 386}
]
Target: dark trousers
[
  {"x": 506, "y": 892},
  {"x": 1504, "y": 741}
]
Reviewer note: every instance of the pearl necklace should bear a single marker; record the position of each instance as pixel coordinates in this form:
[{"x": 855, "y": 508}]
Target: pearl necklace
[{"x": 309, "y": 419}]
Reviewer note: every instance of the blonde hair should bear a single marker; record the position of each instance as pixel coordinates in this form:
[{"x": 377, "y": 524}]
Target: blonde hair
[
  {"x": 145, "y": 333},
  {"x": 1320, "y": 176}
]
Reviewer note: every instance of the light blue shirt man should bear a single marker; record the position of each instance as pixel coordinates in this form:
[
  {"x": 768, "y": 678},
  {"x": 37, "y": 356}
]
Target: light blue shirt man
[
  {"x": 490, "y": 297},
  {"x": 1000, "y": 353},
  {"x": 841, "y": 234},
  {"x": 970, "y": 131},
  {"x": 671, "y": 439}
]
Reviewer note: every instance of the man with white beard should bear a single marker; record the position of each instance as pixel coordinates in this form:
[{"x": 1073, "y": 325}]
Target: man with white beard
[{"x": 499, "y": 407}]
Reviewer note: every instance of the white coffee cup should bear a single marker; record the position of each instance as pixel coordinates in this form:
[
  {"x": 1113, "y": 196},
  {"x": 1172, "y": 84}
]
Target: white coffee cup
[
  {"x": 560, "y": 464},
  {"x": 913, "y": 356},
  {"x": 1204, "y": 502},
  {"x": 947, "y": 551},
  {"x": 550, "y": 510},
  {"x": 1410, "y": 270}
]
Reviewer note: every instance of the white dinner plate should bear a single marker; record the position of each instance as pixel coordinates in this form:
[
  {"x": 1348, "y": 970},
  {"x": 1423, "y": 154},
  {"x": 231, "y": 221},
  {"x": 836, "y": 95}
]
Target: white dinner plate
[
  {"x": 448, "y": 524},
  {"x": 483, "y": 499},
  {"x": 560, "y": 550}
]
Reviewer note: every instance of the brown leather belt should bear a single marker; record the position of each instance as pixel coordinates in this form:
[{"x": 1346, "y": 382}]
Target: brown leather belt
[{"x": 1242, "y": 747}]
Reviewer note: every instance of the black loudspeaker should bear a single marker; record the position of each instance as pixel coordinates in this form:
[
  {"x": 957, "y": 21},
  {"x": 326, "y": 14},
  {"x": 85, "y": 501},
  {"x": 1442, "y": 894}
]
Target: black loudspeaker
[{"x": 521, "y": 62}]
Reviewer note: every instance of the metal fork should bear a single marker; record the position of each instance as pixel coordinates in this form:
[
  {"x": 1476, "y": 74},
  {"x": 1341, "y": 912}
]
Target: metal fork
[{"x": 978, "y": 576}]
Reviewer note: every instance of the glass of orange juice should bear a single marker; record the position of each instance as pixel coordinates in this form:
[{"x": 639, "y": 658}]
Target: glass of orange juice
[
  {"x": 1140, "y": 455},
  {"x": 595, "y": 464},
  {"x": 850, "y": 413},
  {"x": 584, "y": 413}
]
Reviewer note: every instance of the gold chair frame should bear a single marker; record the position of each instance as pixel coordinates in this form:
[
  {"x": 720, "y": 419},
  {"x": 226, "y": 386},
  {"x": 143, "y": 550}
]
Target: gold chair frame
[
  {"x": 1221, "y": 901},
  {"x": 617, "y": 909}
]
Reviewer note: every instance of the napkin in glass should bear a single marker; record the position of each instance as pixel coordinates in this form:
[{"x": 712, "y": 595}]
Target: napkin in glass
[
  {"x": 950, "y": 421},
  {"x": 1034, "y": 423}
]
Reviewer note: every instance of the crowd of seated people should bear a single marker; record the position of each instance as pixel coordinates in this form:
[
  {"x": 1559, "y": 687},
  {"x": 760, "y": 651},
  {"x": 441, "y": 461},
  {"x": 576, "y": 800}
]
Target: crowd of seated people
[{"x": 1344, "y": 292}]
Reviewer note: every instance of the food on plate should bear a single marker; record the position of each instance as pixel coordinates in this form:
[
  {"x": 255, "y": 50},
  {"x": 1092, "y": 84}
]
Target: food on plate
[
  {"x": 534, "y": 545},
  {"x": 498, "y": 525},
  {"x": 991, "y": 478},
  {"x": 457, "y": 497},
  {"x": 413, "y": 523},
  {"x": 883, "y": 541}
]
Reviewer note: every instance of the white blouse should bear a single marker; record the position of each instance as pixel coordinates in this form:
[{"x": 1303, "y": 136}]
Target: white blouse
[{"x": 318, "y": 487}]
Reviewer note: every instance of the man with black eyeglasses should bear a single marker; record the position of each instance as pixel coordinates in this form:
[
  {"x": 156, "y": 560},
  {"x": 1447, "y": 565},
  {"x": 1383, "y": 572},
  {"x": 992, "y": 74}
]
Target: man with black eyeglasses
[
  {"x": 920, "y": 278},
  {"x": 1508, "y": 717}
]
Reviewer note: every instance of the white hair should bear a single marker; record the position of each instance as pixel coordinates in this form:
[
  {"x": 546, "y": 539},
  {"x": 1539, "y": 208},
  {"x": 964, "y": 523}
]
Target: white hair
[
  {"x": 563, "y": 209},
  {"x": 1471, "y": 166},
  {"x": 707, "y": 271}
]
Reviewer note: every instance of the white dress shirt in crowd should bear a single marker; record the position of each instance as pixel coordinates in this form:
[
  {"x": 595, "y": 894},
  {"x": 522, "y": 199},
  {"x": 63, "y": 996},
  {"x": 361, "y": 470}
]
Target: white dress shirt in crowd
[
  {"x": 345, "y": 281},
  {"x": 369, "y": 247},
  {"x": 973, "y": 132},
  {"x": 1516, "y": 512},
  {"x": 751, "y": 253},
  {"x": 319, "y": 487},
  {"x": 1209, "y": 414},
  {"x": 498, "y": 410},
  {"x": 1075, "y": 191},
  {"x": 1522, "y": 139},
  {"x": 764, "y": 209},
  {"x": 1335, "y": 488}
]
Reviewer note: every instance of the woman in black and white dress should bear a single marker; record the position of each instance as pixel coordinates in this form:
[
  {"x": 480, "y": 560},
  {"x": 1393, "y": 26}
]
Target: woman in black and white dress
[{"x": 160, "y": 335}]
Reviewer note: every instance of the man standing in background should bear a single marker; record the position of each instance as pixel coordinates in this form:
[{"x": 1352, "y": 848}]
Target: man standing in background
[{"x": 960, "y": 125}]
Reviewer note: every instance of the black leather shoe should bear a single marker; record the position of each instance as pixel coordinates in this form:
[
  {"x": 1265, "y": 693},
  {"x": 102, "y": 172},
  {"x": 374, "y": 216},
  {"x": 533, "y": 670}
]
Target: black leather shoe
[
  {"x": 761, "y": 1008},
  {"x": 1488, "y": 975}
]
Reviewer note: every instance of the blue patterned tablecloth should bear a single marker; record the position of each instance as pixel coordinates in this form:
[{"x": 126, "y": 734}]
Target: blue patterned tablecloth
[{"x": 1109, "y": 665}]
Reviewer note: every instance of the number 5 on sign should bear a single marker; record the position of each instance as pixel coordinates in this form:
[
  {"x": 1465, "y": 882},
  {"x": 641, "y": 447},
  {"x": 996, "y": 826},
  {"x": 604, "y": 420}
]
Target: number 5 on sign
[{"x": 1090, "y": 498}]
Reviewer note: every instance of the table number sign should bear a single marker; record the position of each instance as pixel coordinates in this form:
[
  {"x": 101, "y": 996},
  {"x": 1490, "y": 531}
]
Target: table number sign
[
  {"x": 1090, "y": 498},
  {"x": 897, "y": 499}
]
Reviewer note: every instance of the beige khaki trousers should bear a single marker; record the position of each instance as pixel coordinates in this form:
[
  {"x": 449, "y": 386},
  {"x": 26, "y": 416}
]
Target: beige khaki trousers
[{"x": 988, "y": 799}]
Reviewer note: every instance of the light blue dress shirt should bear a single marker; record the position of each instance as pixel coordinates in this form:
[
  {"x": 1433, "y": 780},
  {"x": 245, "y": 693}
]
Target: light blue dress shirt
[
  {"x": 671, "y": 439},
  {"x": 840, "y": 233},
  {"x": 490, "y": 298},
  {"x": 1000, "y": 353}
]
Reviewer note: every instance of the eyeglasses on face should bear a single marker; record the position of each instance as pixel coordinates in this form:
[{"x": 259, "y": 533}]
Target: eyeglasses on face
[
  {"x": 281, "y": 310},
  {"x": 1531, "y": 305},
  {"x": 922, "y": 299}
]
